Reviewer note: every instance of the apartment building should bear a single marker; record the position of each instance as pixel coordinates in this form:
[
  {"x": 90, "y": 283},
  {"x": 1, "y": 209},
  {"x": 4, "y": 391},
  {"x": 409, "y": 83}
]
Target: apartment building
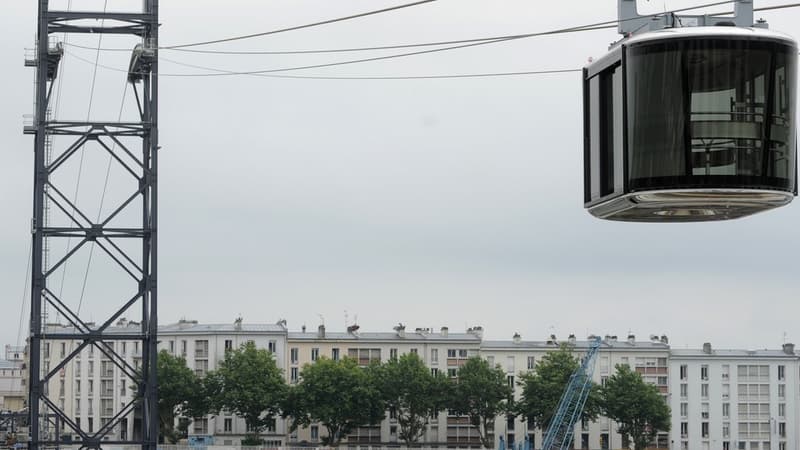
[
  {"x": 734, "y": 399},
  {"x": 517, "y": 356},
  {"x": 441, "y": 350},
  {"x": 92, "y": 389}
]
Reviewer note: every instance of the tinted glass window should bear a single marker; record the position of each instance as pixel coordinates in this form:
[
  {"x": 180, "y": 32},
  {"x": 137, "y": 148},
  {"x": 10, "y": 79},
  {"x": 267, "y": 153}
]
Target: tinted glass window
[{"x": 711, "y": 113}]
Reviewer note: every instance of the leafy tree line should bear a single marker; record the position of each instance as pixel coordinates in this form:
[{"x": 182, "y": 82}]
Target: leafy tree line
[{"x": 341, "y": 396}]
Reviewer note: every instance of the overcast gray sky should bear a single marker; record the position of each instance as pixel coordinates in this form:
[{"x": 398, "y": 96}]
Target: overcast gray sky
[{"x": 434, "y": 203}]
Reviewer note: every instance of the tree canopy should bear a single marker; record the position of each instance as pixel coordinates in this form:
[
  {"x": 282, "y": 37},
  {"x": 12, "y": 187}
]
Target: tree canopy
[
  {"x": 542, "y": 388},
  {"x": 178, "y": 396},
  {"x": 638, "y": 407},
  {"x": 249, "y": 384},
  {"x": 339, "y": 394},
  {"x": 481, "y": 393},
  {"x": 412, "y": 393}
]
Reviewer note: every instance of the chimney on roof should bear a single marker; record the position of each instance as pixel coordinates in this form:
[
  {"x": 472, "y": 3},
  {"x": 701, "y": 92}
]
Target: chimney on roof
[
  {"x": 477, "y": 331},
  {"x": 321, "y": 331},
  {"x": 788, "y": 348},
  {"x": 517, "y": 338},
  {"x": 664, "y": 339},
  {"x": 571, "y": 339},
  {"x": 707, "y": 348},
  {"x": 445, "y": 331},
  {"x": 632, "y": 339},
  {"x": 654, "y": 337},
  {"x": 237, "y": 324},
  {"x": 401, "y": 330},
  {"x": 614, "y": 338},
  {"x": 303, "y": 328},
  {"x": 352, "y": 329},
  {"x": 552, "y": 340}
]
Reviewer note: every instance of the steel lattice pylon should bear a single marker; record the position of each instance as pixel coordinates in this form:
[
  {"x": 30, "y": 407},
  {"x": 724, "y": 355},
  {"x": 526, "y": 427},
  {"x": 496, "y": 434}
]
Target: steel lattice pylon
[{"x": 139, "y": 163}]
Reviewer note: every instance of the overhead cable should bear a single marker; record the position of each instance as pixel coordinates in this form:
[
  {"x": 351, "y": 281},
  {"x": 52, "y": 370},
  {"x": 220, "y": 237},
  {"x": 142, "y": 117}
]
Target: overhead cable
[
  {"x": 399, "y": 46},
  {"x": 299, "y": 27}
]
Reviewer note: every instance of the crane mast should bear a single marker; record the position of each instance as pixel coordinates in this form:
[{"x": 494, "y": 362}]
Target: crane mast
[{"x": 570, "y": 407}]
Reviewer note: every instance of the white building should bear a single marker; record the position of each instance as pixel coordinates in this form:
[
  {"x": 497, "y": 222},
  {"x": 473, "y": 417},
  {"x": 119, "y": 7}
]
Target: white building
[
  {"x": 91, "y": 389},
  {"x": 734, "y": 399},
  {"x": 516, "y": 356}
]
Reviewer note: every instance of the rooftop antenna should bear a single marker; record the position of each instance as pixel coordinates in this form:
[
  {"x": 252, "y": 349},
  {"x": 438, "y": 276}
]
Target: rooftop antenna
[
  {"x": 345, "y": 320},
  {"x": 321, "y": 318}
]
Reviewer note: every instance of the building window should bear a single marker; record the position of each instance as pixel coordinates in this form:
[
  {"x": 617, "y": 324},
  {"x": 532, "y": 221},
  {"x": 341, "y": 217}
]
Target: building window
[
  {"x": 314, "y": 354},
  {"x": 201, "y": 349},
  {"x": 228, "y": 425},
  {"x": 781, "y": 373},
  {"x": 781, "y": 391},
  {"x": 726, "y": 372},
  {"x": 294, "y": 374},
  {"x": 684, "y": 429},
  {"x": 462, "y": 353},
  {"x": 434, "y": 371},
  {"x": 781, "y": 410},
  {"x": 684, "y": 390},
  {"x": 392, "y": 353},
  {"x": 726, "y": 410},
  {"x": 684, "y": 409},
  {"x": 684, "y": 372},
  {"x": 434, "y": 355},
  {"x": 335, "y": 354},
  {"x": 200, "y": 367},
  {"x": 272, "y": 346},
  {"x": 294, "y": 355},
  {"x": 704, "y": 390},
  {"x": 452, "y": 373},
  {"x": 183, "y": 348},
  {"x": 704, "y": 372},
  {"x": 364, "y": 356},
  {"x": 726, "y": 391},
  {"x": 531, "y": 362},
  {"x": 414, "y": 351},
  {"x": 510, "y": 364},
  {"x": 782, "y": 429},
  {"x": 490, "y": 361},
  {"x": 228, "y": 345},
  {"x": 510, "y": 380},
  {"x": 171, "y": 347},
  {"x": 314, "y": 432},
  {"x": 704, "y": 430},
  {"x": 200, "y": 425},
  {"x": 726, "y": 430}
]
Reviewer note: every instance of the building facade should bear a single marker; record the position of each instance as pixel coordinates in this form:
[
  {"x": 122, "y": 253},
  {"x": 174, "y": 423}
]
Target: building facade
[
  {"x": 734, "y": 399},
  {"x": 720, "y": 399},
  {"x": 441, "y": 350},
  {"x": 517, "y": 356}
]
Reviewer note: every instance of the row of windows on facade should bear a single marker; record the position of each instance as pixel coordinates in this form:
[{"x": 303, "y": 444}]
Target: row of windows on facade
[
  {"x": 750, "y": 444},
  {"x": 745, "y": 391},
  {"x": 366, "y": 355},
  {"x": 744, "y": 372},
  {"x": 747, "y": 430},
  {"x": 745, "y": 411},
  {"x": 201, "y": 346},
  {"x": 64, "y": 350}
]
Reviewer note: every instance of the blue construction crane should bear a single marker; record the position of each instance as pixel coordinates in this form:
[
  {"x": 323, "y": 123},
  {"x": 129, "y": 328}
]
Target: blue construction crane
[{"x": 570, "y": 407}]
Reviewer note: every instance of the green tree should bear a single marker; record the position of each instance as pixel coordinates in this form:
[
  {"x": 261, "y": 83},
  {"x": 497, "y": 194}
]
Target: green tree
[
  {"x": 638, "y": 407},
  {"x": 481, "y": 392},
  {"x": 249, "y": 384},
  {"x": 542, "y": 388},
  {"x": 413, "y": 393},
  {"x": 338, "y": 394},
  {"x": 178, "y": 396}
]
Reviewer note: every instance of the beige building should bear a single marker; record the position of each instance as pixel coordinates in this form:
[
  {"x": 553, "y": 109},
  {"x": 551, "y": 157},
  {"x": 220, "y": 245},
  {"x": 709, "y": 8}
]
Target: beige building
[{"x": 441, "y": 350}]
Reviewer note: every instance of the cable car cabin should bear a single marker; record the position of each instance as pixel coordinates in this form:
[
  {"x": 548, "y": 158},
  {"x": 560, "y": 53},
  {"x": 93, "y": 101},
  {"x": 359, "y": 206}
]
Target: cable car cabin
[{"x": 691, "y": 124}]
